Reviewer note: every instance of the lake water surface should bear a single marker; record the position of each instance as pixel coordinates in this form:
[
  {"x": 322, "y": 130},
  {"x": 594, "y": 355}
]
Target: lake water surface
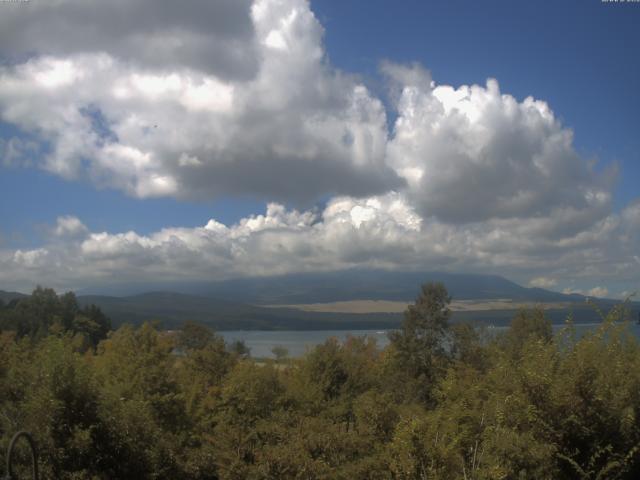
[{"x": 298, "y": 342}]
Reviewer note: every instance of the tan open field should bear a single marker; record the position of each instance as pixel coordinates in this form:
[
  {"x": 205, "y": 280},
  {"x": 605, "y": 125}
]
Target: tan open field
[{"x": 384, "y": 306}]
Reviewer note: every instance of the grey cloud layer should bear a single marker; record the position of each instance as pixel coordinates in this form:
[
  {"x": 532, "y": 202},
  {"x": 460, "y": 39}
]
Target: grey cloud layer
[{"x": 216, "y": 36}]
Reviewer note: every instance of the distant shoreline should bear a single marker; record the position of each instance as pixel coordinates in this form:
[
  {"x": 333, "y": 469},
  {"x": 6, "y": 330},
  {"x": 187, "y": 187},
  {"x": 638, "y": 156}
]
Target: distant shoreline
[{"x": 388, "y": 306}]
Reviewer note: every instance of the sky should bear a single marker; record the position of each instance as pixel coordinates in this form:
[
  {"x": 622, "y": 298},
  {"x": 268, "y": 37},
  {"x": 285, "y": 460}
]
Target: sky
[{"x": 154, "y": 140}]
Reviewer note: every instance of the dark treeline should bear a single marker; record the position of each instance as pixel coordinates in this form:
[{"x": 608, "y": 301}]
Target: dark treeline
[
  {"x": 44, "y": 313},
  {"x": 439, "y": 402}
]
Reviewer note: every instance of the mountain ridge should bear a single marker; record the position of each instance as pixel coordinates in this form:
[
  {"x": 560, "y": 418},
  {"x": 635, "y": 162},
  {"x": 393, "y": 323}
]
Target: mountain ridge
[
  {"x": 268, "y": 303},
  {"x": 173, "y": 309},
  {"x": 6, "y": 296},
  {"x": 345, "y": 285}
]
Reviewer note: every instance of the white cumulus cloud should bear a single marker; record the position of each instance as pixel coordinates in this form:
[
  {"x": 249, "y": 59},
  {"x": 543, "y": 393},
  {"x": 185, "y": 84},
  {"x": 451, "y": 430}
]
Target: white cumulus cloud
[
  {"x": 379, "y": 232},
  {"x": 473, "y": 153},
  {"x": 69, "y": 226},
  {"x": 294, "y": 130},
  {"x": 543, "y": 282}
]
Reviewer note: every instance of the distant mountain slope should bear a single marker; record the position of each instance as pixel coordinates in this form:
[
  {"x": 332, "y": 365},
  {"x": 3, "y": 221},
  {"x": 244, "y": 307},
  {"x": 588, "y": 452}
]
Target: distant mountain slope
[
  {"x": 242, "y": 303},
  {"x": 6, "y": 297},
  {"x": 356, "y": 284},
  {"x": 173, "y": 309},
  {"x": 372, "y": 284}
]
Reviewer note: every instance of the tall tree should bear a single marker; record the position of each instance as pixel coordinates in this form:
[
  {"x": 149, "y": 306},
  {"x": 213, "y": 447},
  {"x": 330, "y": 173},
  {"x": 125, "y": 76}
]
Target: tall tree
[{"x": 419, "y": 346}]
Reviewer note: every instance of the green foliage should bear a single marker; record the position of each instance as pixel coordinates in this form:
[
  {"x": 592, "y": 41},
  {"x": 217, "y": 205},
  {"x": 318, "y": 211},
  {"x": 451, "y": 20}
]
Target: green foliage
[
  {"x": 44, "y": 313},
  {"x": 526, "y": 325},
  {"x": 239, "y": 349},
  {"x": 419, "y": 346},
  {"x": 468, "y": 345},
  {"x": 441, "y": 401},
  {"x": 194, "y": 336},
  {"x": 280, "y": 352}
]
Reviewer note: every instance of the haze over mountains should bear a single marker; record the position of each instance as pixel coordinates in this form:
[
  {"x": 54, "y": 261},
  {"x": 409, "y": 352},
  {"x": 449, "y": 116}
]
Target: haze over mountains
[
  {"x": 6, "y": 297},
  {"x": 356, "y": 284},
  {"x": 269, "y": 303}
]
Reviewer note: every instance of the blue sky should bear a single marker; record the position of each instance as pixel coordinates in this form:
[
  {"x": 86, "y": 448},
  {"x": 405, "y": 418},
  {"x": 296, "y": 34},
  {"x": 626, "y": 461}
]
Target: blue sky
[{"x": 150, "y": 170}]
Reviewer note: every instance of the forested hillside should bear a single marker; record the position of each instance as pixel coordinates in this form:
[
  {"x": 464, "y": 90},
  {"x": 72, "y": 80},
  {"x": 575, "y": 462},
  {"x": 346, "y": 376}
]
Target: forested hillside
[
  {"x": 6, "y": 297},
  {"x": 172, "y": 309},
  {"x": 439, "y": 402}
]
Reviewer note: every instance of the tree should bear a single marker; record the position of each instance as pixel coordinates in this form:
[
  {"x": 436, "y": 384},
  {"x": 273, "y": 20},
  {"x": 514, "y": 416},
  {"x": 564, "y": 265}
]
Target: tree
[
  {"x": 194, "y": 336},
  {"x": 467, "y": 345},
  {"x": 91, "y": 324},
  {"x": 250, "y": 395},
  {"x": 240, "y": 349},
  {"x": 44, "y": 313},
  {"x": 50, "y": 392},
  {"x": 142, "y": 401},
  {"x": 280, "y": 352},
  {"x": 419, "y": 346},
  {"x": 525, "y": 326}
]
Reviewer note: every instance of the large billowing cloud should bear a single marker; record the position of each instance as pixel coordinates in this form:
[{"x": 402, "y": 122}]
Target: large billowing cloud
[
  {"x": 291, "y": 129},
  {"x": 238, "y": 98},
  {"x": 212, "y": 98},
  {"x": 473, "y": 153}
]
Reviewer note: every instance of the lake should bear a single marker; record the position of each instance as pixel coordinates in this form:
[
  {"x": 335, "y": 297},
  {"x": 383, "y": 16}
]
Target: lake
[{"x": 299, "y": 342}]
